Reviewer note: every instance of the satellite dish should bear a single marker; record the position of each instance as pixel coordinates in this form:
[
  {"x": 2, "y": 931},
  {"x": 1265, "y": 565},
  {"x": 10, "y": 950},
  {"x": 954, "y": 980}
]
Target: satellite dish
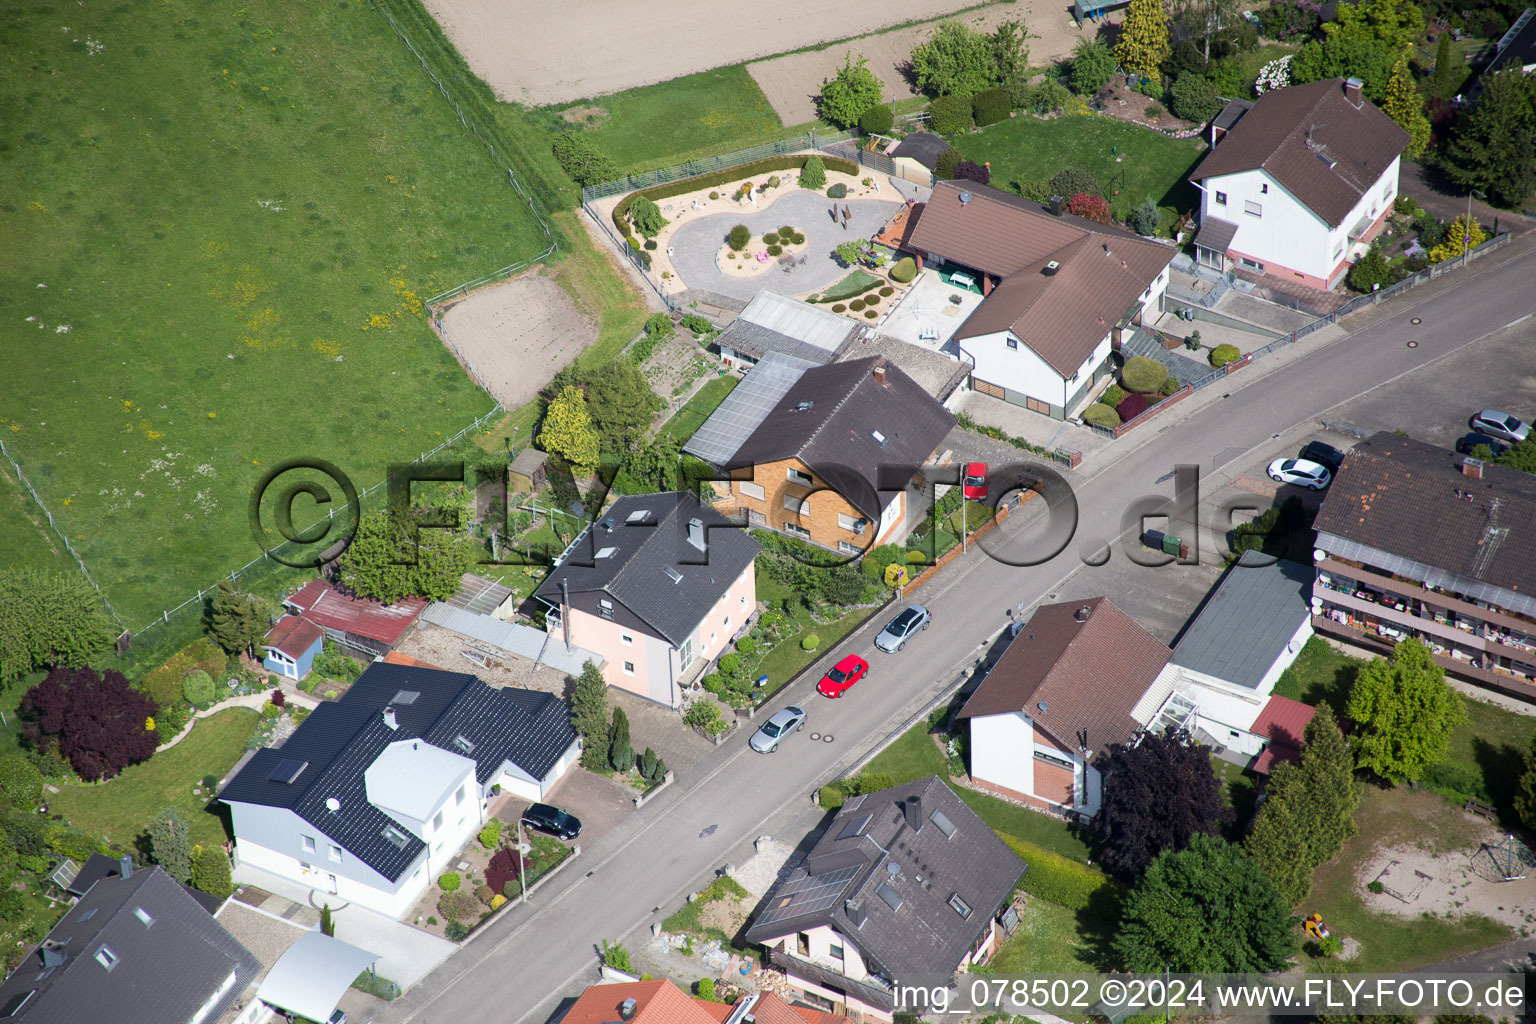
[{"x": 332, "y": 804}]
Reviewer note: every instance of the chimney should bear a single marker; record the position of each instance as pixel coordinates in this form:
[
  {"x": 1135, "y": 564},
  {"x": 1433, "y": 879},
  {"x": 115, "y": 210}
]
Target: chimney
[
  {"x": 1081, "y": 615},
  {"x": 1472, "y": 468},
  {"x": 1352, "y": 87},
  {"x": 389, "y": 718},
  {"x": 696, "y": 532},
  {"x": 914, "y": 812},
  {"x": 125, "y": 866},
  {"x": 880, "y": 374},
  {"x": 856, "y": 912},
  {"x": 1051, "y": 268},
  {"x": 1058, "y": 204},
  {"x": 628, "y": 1008}
]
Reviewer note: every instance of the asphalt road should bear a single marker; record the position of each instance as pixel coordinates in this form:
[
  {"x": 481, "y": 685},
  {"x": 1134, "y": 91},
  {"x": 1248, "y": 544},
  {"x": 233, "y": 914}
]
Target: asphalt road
[{"x": 520, "y": 970}]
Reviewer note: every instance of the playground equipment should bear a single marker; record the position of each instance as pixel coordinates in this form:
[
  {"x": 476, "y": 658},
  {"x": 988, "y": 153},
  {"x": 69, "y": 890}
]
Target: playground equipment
[
  {"x": 1507, "y": 861},
  {"x": 1315, "y": 927}
]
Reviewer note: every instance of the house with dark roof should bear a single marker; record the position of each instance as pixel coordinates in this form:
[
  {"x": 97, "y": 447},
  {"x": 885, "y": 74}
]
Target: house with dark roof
[
  {"x": 833, "y": 460},
  {"x": 291, "y": 646},
  {"x": 1297, "y": 185},
  {"x": 370, "y": 627},
  {"x": 1071, "y": 683},
  {"x": 135, "y": 949},
  {"x": 1415, "y": 540},
  {"x": 657, "y": 587},
  {"x": 1059, "y": 291},
  {"x": 904, "y": 881},
  {"x": 777, "y": 323},
  {"x": 374, "y": 795},
  {"x": 1517, "y": 47},
  {"x": 662, "y": 1002}
]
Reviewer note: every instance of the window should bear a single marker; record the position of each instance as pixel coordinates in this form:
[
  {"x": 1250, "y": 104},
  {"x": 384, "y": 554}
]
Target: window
[
  {"x": 334, "y": 853},
  {"x": 437, "y": 821},
  {"x": 727, "y": 621},
  {"x": 798, "y": 531},
  {"x": 463, "y": 744},
  {"x": 803, "y": 944},
  {"x": 396, "y": 838},
  {"x": 627, "y": 639},
  {"x": 797, "y": 477},
  {"x": 798, "y": 505},
  {"x": 1221, "y": 199},
  {"x": 629, "y": 668},
  {"x": 834, "y": 951},
  {"x": 846, "y": 548},
  {"x": 309, "y": 844},
  {"x": 1253, "y": 209},
  {"x": 959, "y": 905},
  {"x": 458, "y": 798},
  {"x": 853, "y": 524},
  {"x": 1013, "y": 343},
  {"x": 144, "y": 916},
  {"x": 1338, "y": 250},
  {"x": 1055, "y": 759},
  {"x": 751, "y": 490},
  {"x": 743, "y": 600},
  {"x": 1251, "y": 264},
  {"x": 106, "y": 957}
]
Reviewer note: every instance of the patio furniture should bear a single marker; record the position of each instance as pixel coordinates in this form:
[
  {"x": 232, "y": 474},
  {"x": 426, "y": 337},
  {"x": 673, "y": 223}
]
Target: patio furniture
[
  {"x": 928, "y": 334},
  {"x": 762, "y": 257},
  {"x": 961, "y": 280}
]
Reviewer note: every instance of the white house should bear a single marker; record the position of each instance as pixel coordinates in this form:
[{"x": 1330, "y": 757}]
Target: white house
[
  {"x": 1058, "y": 291},
  {"x": 373, "y": 796},
  {"x": 1297, "y": 184},
  {"x": 1067, "y": 687}
]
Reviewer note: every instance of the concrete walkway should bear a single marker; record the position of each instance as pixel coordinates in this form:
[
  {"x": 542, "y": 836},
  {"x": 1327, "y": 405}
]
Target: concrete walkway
[{"x": 696, "y": 245}]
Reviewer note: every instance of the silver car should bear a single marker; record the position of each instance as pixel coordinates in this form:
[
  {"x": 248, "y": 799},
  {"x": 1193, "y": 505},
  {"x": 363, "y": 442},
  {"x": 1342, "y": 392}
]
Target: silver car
[
  {"x": 784, "y": 721},
  {"x": 1500, "y": 425},
  {"x": 902, "y": 628}
]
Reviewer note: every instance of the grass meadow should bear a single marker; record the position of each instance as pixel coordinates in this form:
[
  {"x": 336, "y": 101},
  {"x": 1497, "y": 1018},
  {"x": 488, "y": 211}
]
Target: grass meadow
[{"x": 223, "y": 221}]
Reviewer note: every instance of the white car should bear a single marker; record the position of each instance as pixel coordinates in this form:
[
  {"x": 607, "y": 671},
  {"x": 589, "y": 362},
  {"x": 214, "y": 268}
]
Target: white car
[
  {"x": 1300, "y": 472},
  {"x": 1501, "y": 425},
  {"x": 785, "y": 721}
]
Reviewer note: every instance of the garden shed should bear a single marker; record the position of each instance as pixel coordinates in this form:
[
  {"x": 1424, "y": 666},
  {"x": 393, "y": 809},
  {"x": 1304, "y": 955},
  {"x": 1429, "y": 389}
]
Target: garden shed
[
  {"x": 291, "y": 647},
  {"x": 528, "y": 472}
]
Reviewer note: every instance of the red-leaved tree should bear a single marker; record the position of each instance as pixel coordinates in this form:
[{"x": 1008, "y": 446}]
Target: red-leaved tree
[
  {"x": 99, "y": 722},
  {"x": 1089, "y": 207},
  {"x": 1131, "y": 406},
  {"x": 502, "y": 869}
]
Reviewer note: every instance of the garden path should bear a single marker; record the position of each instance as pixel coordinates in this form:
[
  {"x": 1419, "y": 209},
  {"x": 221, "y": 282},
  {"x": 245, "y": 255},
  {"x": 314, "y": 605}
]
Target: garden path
[
  {"x": 696, "y": 244},
  {"x": 254, "y": 701}
]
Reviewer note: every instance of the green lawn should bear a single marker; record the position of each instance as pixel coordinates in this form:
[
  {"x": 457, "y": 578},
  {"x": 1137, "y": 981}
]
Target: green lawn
[
  {"x": 697, "y": 409},
  {"x": 25, "y": 539},
  {"x": 121, "y": 808},
  {"x": 224, "y": 251},
  {"x": 914, "y": 755},
  {"x": 851, "y": 287},
  {"x": 1041, "y": 829},
  {"x": 1049, "y": 940},
  {"x": 686, "y": 118},
  {"x": 1026, "y": 148},
  {"x": 1241, "y": 791},
  {"x": 782, "y": 663}
]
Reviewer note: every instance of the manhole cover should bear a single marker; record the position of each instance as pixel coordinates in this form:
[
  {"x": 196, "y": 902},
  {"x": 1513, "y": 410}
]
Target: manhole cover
[
  {"x": 815, "y": 736},
  {"x": 1413, "y": 344},
  {"x": 827, "y": 738},
  {"x": 1416, "y": 321}
]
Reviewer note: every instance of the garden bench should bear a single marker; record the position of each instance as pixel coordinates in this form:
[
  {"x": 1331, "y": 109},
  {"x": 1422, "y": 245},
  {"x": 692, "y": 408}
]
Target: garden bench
[{"x": 1481, "y": 810}]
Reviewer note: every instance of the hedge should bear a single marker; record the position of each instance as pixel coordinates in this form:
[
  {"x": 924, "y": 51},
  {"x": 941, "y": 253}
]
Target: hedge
[
  {"x": 1101, "y": 415},
  {"x": 991, "y": 106},
  {"x": 950, "y": 114},
  {"x": 1066, "y": 883},
  {"x": 620, "y": 215},
  {"x": 904, "y": 270}
]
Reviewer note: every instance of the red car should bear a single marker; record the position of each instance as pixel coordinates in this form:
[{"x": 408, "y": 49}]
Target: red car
[
  {"x": 843, "y": 675},
  {"x": 975, "y": 484}
]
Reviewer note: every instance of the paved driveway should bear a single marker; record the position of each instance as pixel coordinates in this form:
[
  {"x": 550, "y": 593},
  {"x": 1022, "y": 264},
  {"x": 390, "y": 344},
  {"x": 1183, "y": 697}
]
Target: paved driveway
[
  {"x": 600, "y": 803},
  {"x": 696, "y": 245}
]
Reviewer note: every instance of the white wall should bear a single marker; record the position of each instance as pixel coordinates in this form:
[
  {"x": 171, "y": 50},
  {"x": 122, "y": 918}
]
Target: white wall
[
  {"x": 1003, "y": 751},
  {"x": 384, "y": 898},
  {"x": 1017, "y": 369},
  {"x": 1293, "y": 647}
]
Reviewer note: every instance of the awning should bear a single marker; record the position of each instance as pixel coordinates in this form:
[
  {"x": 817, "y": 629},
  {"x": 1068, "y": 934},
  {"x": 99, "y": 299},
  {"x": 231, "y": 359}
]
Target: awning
[
  {"x": 310, "y": 979},
  {"x": 1216, "y": 234}
]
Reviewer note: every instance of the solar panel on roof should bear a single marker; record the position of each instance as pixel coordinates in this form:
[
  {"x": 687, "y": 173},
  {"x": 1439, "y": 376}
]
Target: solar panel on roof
[
  {"x": 287, "y": 770},
  {"x": 406, "y": 697}
]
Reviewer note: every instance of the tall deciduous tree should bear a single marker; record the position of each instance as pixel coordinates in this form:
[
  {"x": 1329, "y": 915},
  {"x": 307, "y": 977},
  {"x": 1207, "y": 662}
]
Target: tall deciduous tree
[
  {"x": 385, "y": 563},
  {"x": 1404, "y": 104},
  {"x": 589, "y": 716},
  {"x": 852, "y": 91},
  {"x": 568, "y": 431},
  {"x": 1143, "y": 44},
  {"x": 100, "y": 723},
  {"x": 169, "y": 845},
  {"x": 620, "y": 403},
  {"x": 48, "y": 619},
  {"x": 1208, "y": 908},
  {"x": 1403, "y": 712},
  {"x": 955, "y": 60},
  {"x": 1207, "y": 20},
  {"x": 1158, "y": 795},
  {"x": 1493, "y": 147}
]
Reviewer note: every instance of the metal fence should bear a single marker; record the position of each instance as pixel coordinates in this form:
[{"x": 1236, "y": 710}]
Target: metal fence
[
  {"x": 490, "y": 147},
  {"x": 694, "y": 168},
  {"x": 22, "y": 478},
  {"x": 1359, "y": 302}
]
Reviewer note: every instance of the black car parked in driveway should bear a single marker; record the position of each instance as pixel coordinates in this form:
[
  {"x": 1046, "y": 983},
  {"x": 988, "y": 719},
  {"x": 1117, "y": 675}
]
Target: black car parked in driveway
[
  {"x": 1471, "y": 441},
  {"x": 553, "y": 820},
  {"x": 1323, "y": 455}
]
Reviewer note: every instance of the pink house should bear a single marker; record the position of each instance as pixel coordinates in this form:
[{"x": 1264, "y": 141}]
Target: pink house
[{"x": 658, "y": 586}]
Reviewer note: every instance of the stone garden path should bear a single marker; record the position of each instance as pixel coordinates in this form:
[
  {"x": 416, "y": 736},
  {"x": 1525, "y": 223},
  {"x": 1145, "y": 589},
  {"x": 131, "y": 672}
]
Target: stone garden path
[{"x": 696, "y": 244}]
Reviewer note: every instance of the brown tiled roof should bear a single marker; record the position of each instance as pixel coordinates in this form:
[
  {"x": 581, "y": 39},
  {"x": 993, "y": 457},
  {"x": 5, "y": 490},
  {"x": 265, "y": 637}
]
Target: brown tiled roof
[
  {"x": 293, "y": 635},
  {"x": 835, "y": 437},
  {"x": 1062, "y": 317},
  {"x": 1088, "y": 674},
  {"x": 1411, "y": 499},
  {"x": 1325, "y": 151}
]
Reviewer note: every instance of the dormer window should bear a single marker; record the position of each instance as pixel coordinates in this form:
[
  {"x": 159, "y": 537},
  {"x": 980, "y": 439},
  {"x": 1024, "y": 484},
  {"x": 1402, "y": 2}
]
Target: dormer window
[
  {"x": 144, "y": 916},
  {"x": 106, "y": 957},
  {"x": 464, "y": 745}
]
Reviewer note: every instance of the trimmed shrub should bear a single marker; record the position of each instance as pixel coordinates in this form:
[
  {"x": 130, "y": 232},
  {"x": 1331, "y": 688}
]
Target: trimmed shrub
[
  {"x": 799, "y": 239},
  {"x": 771, "y": 238},
  {"x": 1143, "y": 374},
  {"x": 449, "y": 881},
  {"x": 714, "y": 195},
  {"x": 1101, "y": 415},
  {"x": 1170, "y": 387},
  {"x": 1194, "y": 98},
  {"x": 775, "y": 250},
  {"x": 491, "y": 834},
  {"x": 887, "y": 292},
  {"x": 877, "y": 120},
  {"x": 870, "y": 314},
  {"x": 498, "y": 901},
  {"x": 1089, "y": 207},
  {"x": 837, "y": 191},
  {"x": 1131, "y": 406},
  {"x": 970, "y": 170},
  {"x": 813, "y": 173},
  {"x": 785, "y": 231},
  {"x": 991, "y": 106},
  {"x": 904, "y": 270},
  {"x": 646, "y": 217},
  {"x": 1144, "y": 219},
  {"x": 485, "y": 894},
  {"x": 810, "y": 642},
  {"x": 740, "y": 236},
  {"x": 950, "y": 114},
  {"x": 1072, "y": 181},
  {"x": 1066, "y": 883},
  {"x": 1221, "y": 355},
  {"x": 840, "y": 308},
  {"x": 503, "y": 869},
  {"x": 945, "y": 164},
  {"x": 198, "y": 687},
  {"x": 872, "y": 299},
  {"x": 856, "y": 305},
  {"x": 1112, "y": 395},
  {"x": 650, "y": 245}
]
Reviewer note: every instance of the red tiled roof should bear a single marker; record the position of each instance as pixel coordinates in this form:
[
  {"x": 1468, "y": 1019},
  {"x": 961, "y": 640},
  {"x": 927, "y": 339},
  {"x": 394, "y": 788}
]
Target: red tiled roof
[
  {"x": 659, "y": 1002},
  {"x": 1283, "y": 720},
  {"x": 396, "y": 658},
  {"x": 770, "y": 1009},
  {"x": 323, "y": 604},
  {"x": 293, "y": 635},
  {"x": 1089, "y": 675}
]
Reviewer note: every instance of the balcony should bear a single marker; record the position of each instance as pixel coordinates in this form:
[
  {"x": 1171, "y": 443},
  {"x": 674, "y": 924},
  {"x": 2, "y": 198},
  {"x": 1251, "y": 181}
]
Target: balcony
[
  {"x": 1491, "y": 675},
  {"x": 1438, "y": 598}
]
